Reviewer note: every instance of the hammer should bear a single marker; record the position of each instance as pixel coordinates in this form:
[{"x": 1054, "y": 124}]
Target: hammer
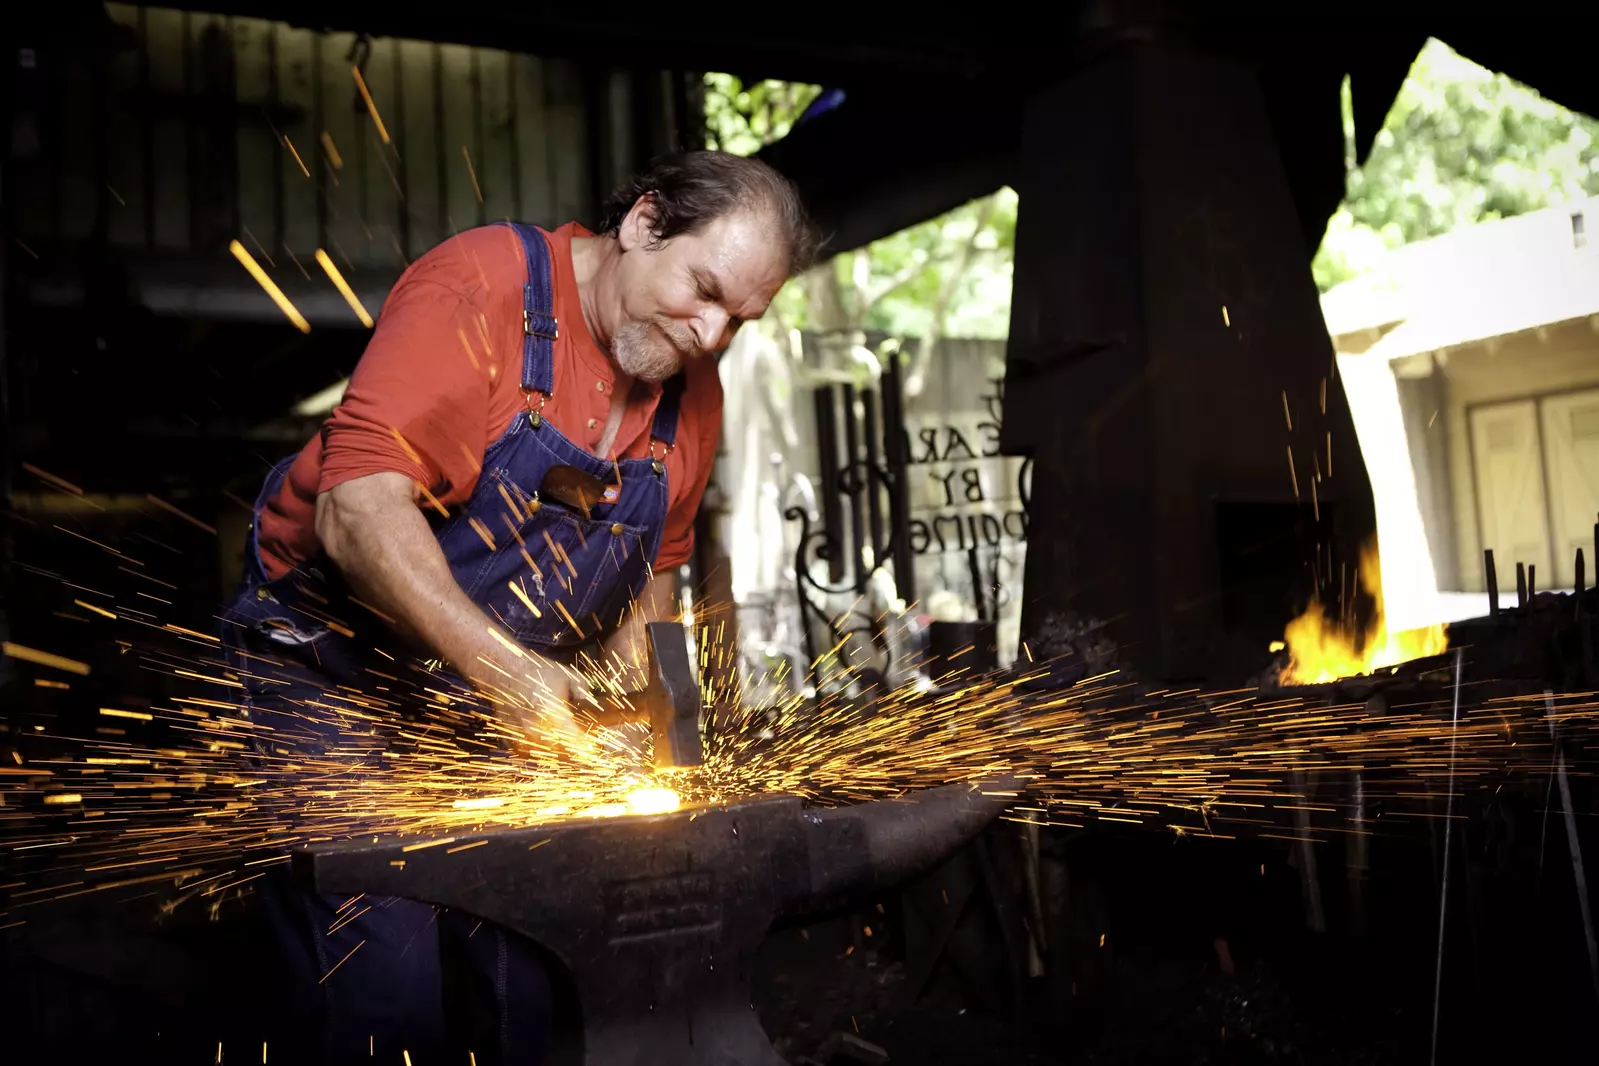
[{"x": 670, "y": 700}]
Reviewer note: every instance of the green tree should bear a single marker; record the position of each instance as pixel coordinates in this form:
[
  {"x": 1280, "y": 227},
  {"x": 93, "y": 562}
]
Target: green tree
[
  {"x": 948, "y": 275},
  {"x": 1461, "y": 144}
]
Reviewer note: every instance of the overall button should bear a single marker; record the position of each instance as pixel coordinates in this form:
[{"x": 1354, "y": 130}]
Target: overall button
[
  {"x": 262, "y": 593},
  {"x": 594, "y": 423},
  {"x": 600, "y": 385},
  {"x": 616, "y": 529}
]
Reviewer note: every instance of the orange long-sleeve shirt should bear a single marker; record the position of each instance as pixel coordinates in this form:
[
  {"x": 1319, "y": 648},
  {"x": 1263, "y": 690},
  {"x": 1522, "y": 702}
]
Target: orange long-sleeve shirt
[{"x": 441, "y": 380}]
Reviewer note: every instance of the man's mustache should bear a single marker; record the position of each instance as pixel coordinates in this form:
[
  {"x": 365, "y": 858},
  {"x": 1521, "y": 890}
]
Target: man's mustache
[{"x": 684, "y": 342}]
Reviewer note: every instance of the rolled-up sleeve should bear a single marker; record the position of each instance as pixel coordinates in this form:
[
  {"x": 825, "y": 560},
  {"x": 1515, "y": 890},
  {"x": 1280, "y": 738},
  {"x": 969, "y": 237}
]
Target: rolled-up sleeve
[{"x": 418, "y": 401}]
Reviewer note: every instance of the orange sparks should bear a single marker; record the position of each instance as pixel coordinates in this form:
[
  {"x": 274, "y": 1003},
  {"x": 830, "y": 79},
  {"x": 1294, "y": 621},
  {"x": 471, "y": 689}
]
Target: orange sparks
[
  {"x": 432, "y": 500},
  {"x": 296, "y": 154},
  {"x": 483, "y": 532},
  {"x": 341, "y": 962},
  {"x": 101, "y": 611},
  {"x": 372, "y": 109},
  {"x": 343, "y": 287},
  {"x": 428, "y": 844},
  {"x": 60, "y": 483},
  {"x": 526, "y": 602},
  {"x": 506, "y": 642},
  {"x": 472, "y": 172},
  {"x": 332, "y": 151},
  {"x": 289, "y": 310},
  {"x": 138, "y": 716},
  {"x": 559, "y": 606},
  {"x": 186, "y": 516},
  {"x": 44, "y": 658}
]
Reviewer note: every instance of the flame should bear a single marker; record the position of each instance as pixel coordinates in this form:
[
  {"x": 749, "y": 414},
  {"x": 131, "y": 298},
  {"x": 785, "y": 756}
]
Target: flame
[{"x": 1319, "y": 651}]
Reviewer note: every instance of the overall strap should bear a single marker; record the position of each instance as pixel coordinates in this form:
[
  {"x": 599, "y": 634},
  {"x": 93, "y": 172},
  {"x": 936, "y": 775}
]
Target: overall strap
[
  {"x": 538, "y": 314},
  {"x": 664, "y": 429}
]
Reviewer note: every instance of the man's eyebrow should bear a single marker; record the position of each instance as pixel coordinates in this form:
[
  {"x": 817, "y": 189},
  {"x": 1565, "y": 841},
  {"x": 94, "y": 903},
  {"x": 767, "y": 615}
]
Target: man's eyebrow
[{"x": 709, "y": 282}]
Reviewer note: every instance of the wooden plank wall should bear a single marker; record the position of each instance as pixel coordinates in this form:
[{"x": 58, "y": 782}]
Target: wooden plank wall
[{"x": 193, "y": 130}]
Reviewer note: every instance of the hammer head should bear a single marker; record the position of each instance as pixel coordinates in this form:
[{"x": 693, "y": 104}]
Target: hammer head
[{"x": 672, "y": 696}]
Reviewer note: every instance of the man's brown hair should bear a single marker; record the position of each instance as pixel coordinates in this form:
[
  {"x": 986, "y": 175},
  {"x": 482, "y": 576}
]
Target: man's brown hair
[{"x": 693, "y": 189}]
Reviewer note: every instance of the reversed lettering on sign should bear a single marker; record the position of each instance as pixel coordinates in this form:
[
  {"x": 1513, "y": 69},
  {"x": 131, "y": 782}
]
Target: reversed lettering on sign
[
  {"x": 966, "y": 495},
  {"x": 652, "y": 907}
]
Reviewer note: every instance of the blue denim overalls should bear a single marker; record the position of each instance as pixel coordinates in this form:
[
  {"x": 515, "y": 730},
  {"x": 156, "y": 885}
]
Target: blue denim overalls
[{"x": 555, "y": 578}]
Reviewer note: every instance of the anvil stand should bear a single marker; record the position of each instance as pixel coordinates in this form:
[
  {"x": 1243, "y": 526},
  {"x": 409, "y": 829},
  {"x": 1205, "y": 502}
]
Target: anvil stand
[{"x": 658, "y": 917}]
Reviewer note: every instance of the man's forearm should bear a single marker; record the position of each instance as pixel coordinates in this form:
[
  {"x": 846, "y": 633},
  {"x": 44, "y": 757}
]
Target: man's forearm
[{"x": 385, "y": 549}]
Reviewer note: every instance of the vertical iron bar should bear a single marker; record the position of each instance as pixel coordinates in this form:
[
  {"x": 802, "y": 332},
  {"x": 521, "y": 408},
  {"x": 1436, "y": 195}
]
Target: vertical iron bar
[
  {"x": 1492, "y": 577},
  {"x": 899, "y": 510},
  {"x": 874, "y": 480},
  {"x": 973, "y": 565},
  {"x": 146, "y": 132},
  {"x": 1521, "y": 584},
  {"x": 857, "y": 523},
  {"x": 827, "y": 496}
]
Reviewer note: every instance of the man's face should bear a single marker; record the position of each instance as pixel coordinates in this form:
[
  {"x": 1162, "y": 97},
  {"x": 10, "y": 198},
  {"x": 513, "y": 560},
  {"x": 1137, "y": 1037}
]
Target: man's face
[{"x": 687, "y": 297}]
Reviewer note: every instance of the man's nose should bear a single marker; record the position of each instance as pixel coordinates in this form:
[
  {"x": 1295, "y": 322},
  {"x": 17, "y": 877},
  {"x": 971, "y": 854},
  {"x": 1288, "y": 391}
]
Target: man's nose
[{"x": 710, "y": 327}]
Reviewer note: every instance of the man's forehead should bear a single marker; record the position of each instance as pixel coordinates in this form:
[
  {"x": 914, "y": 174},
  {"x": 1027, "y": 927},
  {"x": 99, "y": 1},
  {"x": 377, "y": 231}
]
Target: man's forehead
[{"x": 738, "y": 256}]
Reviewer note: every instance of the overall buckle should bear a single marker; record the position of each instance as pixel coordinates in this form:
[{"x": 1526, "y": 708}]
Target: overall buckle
[
  {"x": 552, "y": 331},
  {"x": 535, "y": 411}
]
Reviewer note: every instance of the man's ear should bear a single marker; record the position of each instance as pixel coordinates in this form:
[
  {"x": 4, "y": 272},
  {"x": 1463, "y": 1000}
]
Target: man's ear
[{"x": 638, "y": 226}]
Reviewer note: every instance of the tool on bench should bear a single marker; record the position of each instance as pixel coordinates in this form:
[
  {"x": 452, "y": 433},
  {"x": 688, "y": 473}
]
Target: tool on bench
[
  {"x": 669, "y": 702},
  {"x": 658, "y": 917}
]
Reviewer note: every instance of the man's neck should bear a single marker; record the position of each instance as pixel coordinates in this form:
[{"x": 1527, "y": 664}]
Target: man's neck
[{"x": 592, "y": 261}]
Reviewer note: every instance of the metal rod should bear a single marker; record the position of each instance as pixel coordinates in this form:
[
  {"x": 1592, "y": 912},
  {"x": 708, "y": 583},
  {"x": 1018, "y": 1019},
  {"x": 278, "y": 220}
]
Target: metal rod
[
  {"x": 827, "y": 498},
  {"x": 1521, "y": 584},
  {"x": 1532, "y": 580},
  {"x": 874, "y": 480},
  {"x": 976, "y": 569},
  {"x": 1493, "y": 582},
  {"x": 899, "y": 507},
  {"x": 1579, "y": 565},
  {"x": 1449, "y": 825},
  {"x": 852, "y": 484},
  {"x": 1575, "y": 844}
]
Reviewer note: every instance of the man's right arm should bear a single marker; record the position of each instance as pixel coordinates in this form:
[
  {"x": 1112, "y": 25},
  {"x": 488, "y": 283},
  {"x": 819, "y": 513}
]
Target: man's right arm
[{"x": 373, "y": 530}]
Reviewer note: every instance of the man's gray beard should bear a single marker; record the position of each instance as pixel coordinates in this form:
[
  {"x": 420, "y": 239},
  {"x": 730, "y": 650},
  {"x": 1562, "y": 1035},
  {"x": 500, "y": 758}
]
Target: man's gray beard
[{"x": 641, "y": 355}]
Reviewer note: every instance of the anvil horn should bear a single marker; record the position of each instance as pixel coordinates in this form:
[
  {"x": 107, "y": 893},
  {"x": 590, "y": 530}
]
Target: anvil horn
[{"x": 855, "y": 851}]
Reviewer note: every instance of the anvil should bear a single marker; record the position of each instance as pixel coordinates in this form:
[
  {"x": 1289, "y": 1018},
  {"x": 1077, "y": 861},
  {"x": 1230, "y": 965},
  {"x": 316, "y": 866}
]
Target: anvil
[{"x": 658, "y": 917}]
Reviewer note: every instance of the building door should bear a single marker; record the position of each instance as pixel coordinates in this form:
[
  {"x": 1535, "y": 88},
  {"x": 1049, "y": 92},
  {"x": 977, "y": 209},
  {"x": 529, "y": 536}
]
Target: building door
[
  {"x": 1571, "y": 459},
  {"x": 1510, "y": 488}
]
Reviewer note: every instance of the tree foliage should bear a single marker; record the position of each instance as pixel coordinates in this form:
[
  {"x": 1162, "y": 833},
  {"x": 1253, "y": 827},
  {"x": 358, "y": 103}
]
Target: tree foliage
[
  {"x": 1460, "y": 145},
  {"x": 947, "y": 275}
]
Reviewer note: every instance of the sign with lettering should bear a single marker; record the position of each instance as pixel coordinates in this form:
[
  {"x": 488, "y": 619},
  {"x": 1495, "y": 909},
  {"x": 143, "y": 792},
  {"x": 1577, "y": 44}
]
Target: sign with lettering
[{"x": 963, "y": 493}]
